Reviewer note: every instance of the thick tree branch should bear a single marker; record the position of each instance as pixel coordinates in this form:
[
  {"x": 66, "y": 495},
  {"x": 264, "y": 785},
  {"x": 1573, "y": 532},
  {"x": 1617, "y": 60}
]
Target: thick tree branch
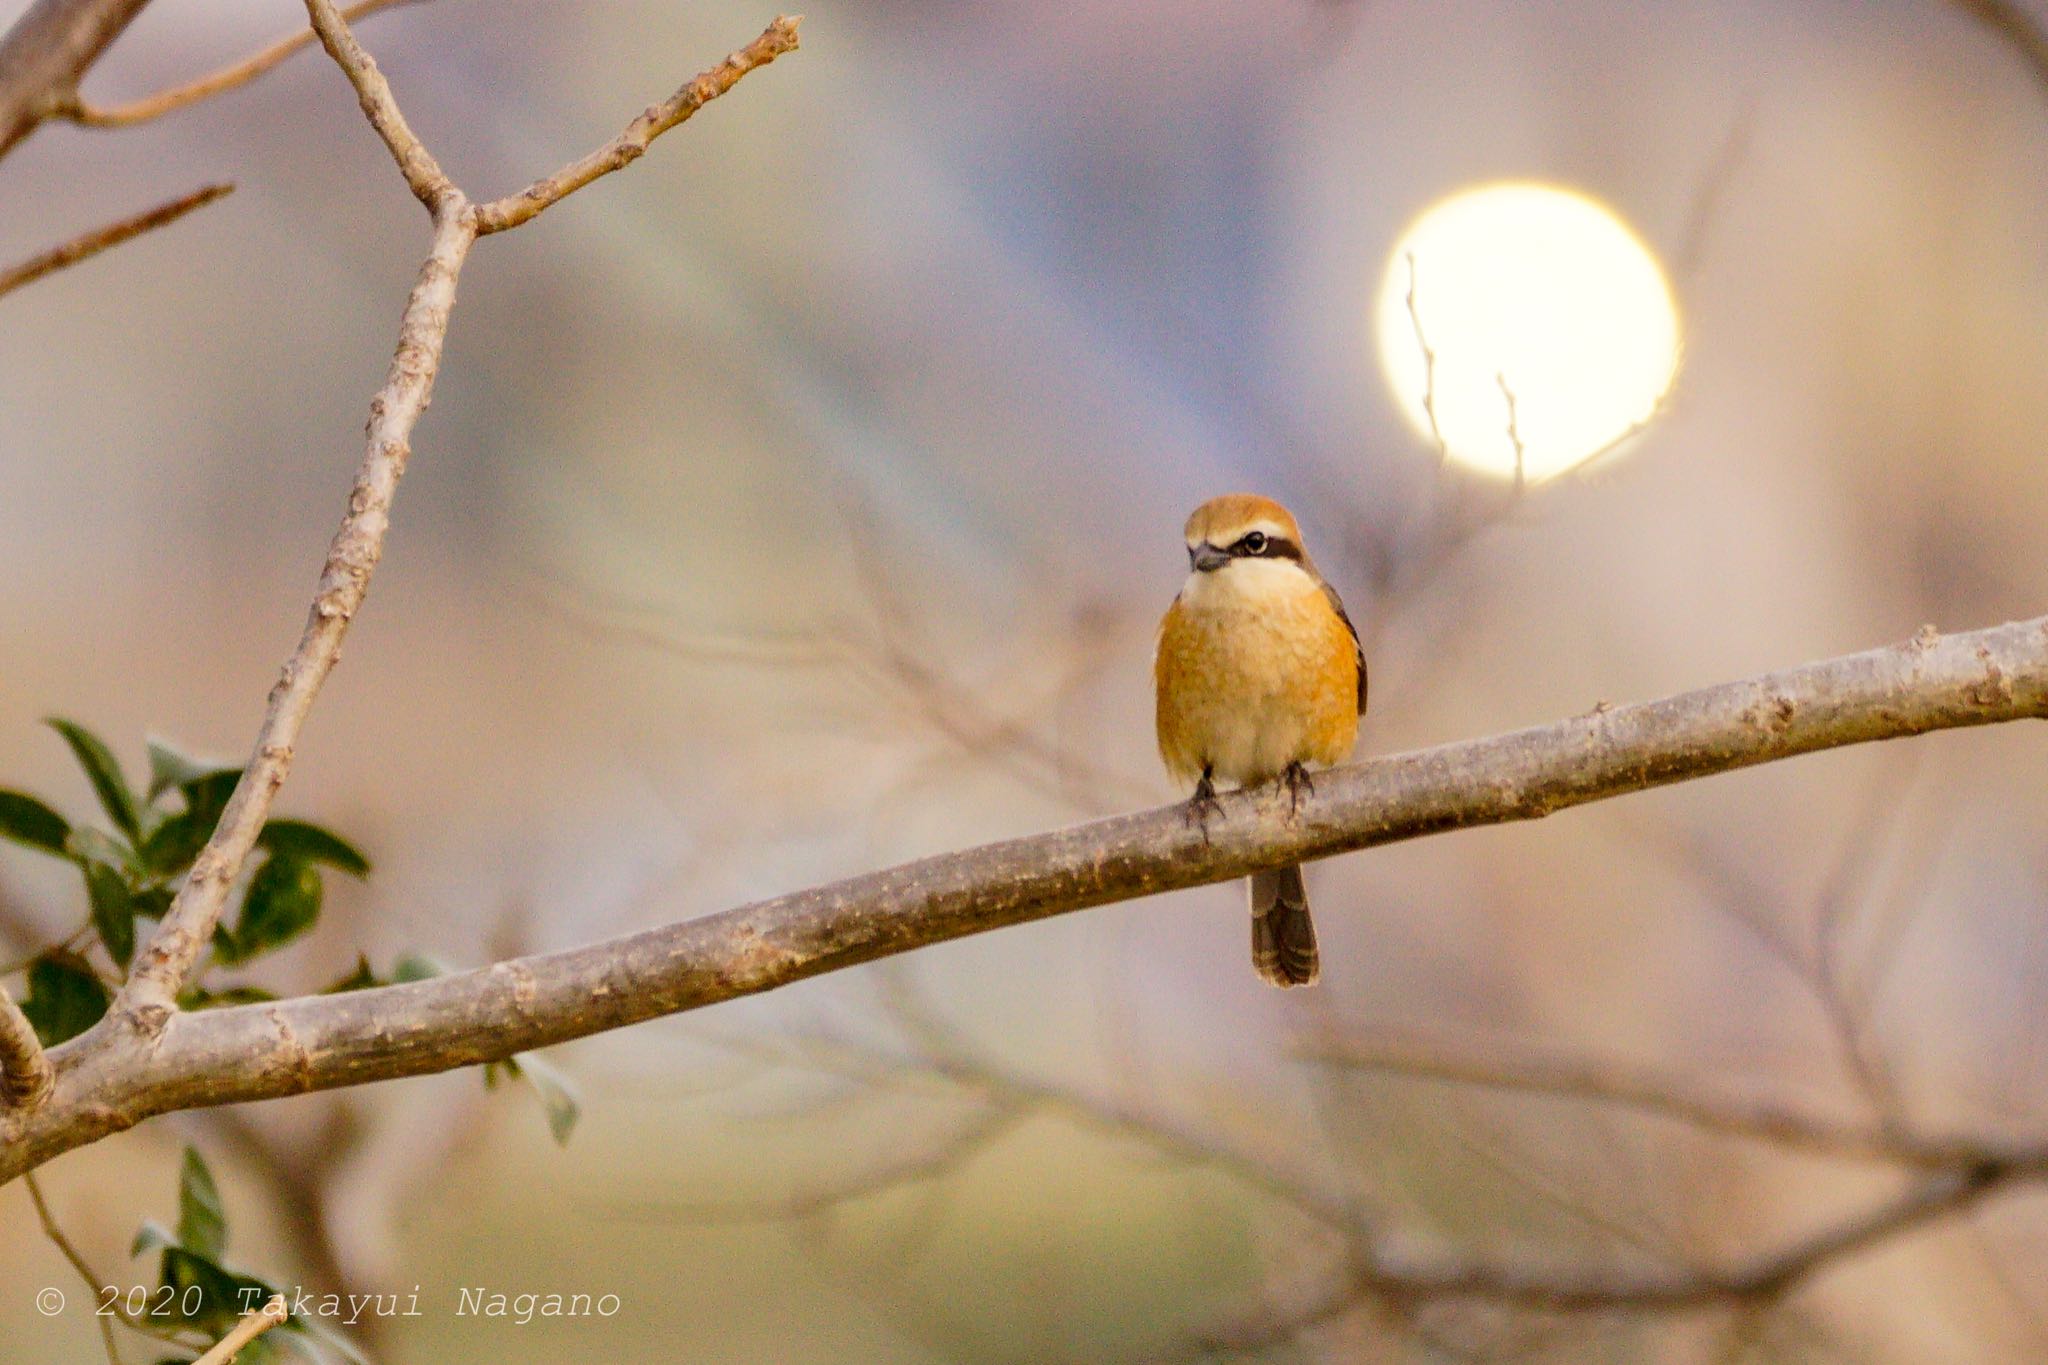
[
  {"x": 25, "y": 1072},
  {"x": 260, "y": 1051},
  {"x": 132, "y": 112},
  {"x": 779, "y": 38},
  {"x": 108, "y": 235},
  {"x": 46, "y": 52}
]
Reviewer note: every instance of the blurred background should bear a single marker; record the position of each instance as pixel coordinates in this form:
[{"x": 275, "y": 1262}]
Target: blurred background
[{"x": 804, "y": 499}]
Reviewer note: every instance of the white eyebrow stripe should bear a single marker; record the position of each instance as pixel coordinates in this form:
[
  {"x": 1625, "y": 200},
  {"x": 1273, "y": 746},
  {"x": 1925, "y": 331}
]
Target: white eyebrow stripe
[{"x": 1273, "y": 529}]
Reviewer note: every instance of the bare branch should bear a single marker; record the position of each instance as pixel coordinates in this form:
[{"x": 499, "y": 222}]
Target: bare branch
[
  {"x": 246, "y": 1331},
  {"x": 779, "y": 38},
  {"x": 93, "y": 1281},
  {"x": 147, "y": 1001},
  {"x": 1436, "y": 431},
  {"x": 2020, "y": 30},
  {"x": 70, "y": 1253},
  {"x": 46, "y": 52},
  {"x": 1410, "y": 1281},
  {"x": 126, "y": 115},
  {"x": 162, "y": 968},
  {"x": 1006, "y": 1093},
  {"x": 108, "y": 235},
  {"x": 1774, "y": 1273},
  {"x": 429, "y": 183},
  {"x": 258, "y": 1051},
  {"x": 1514, "y": 433},
  {"x": 1719, "y": 1108},
  {"x": 914, "y": 1165},
  {"x": 25, "y": 1072}
]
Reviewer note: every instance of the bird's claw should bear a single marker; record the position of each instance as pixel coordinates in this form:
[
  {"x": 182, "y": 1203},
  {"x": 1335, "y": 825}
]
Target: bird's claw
[
  {"x": 1203, "y": 804},
  {"x": 1298, "y": 781}
]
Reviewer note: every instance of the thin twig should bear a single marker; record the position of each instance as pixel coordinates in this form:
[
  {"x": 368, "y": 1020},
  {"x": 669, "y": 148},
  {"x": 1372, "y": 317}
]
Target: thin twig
[
  {"x": 1514, "y": 433},
  {"x": 246, "y": 1331},
  {"x": 148, "y": 999},
  {"x": 125, "y": 115},
  {"x": 107, "y": 235},
  {"x": 63, "y": 1244},
  {"x": 1436, "y": 431},
  {"x": 25, "y": 1072},
  {"x": 430, "y": 185},
  {"x": 1720, "y": 1108},
  {"x": 779, "y": 38},
  {"x": 93, "y": 1282},
  {"x": 1771, "y": 1274},
  {"x": 165, "y": 964},
  {"x": 73, "y": 942},
  {"x": 2021, "y": 31},
  {"x": 909, "y": 1166},
  {"x": 1596, "y": 458},
  {"x": 1404, "y": 1279}
]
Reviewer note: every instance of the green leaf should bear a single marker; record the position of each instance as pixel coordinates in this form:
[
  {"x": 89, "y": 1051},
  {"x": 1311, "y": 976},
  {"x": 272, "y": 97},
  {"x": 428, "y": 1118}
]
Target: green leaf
[
  {"x": 222, "y": 1293},
  {"x": 153, "y": 902},
  {"x": 202, "y": 1223},
  {"x": 28, "y": 821},
  {"x": 361, "y": 979},
  {"x": 88, "y": 845},
  {"x": 314, "y": 845},
  {"x": 208, "y": 796},
  {"x": 283, "y": 902},
  {"x": 557, "y": 1093},
  {"x": 416, "y": 967},
  {"x": 105, "y": 774},
  {"x": 200, "y": 998},
  {"x": 149, "y": 1237},
  {"x": 113, "y": 909},
  {"x": 170, "y": 767},
  {"x": 64, "y": 997},
  {"x": 176, "y": 841}
]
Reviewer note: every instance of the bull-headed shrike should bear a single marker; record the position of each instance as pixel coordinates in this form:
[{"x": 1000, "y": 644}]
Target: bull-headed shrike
[{"x": 1260, "y": 677}]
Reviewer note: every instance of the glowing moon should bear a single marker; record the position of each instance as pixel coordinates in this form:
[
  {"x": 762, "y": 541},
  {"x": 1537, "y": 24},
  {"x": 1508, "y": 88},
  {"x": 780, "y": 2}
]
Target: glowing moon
[{"x": 1534, "y": 291}]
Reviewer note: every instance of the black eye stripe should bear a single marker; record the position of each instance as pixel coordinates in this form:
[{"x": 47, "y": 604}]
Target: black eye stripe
[{"x": 1275, "y": 547}]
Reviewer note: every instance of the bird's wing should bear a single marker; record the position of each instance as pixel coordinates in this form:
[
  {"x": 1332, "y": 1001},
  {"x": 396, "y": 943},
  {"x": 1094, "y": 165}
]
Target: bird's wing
[{"x": 1357, "y": 649}]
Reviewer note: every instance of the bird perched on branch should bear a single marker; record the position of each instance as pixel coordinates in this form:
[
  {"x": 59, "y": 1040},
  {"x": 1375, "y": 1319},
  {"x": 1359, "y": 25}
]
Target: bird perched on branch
[{"x": 1260, "y": 677}]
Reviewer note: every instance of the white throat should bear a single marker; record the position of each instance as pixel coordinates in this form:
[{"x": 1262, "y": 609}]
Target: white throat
[{"x": 1247, "y": 584}]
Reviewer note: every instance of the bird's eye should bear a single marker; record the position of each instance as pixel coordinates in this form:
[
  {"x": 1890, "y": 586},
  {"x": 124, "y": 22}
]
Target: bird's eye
[{"x": 1255, "y": 543}]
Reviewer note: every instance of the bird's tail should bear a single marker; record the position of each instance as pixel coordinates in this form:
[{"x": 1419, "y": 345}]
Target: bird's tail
[{"x": 1283, "y": 936}]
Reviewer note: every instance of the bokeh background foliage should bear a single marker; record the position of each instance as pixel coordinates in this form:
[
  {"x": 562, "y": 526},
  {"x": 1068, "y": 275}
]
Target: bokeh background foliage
[{"x": 804, "y": 500}]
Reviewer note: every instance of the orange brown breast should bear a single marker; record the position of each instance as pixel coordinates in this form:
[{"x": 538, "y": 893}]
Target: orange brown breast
[{"x": 1252, "y": 677}]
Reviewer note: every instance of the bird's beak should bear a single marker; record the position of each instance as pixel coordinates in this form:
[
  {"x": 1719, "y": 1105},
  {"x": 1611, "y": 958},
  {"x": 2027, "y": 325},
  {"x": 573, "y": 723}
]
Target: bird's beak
[{"x": 1207, "y": 558}]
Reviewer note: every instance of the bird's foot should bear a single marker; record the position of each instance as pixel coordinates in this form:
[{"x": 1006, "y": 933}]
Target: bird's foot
[
  {"x": 1203, "y": 804},
  {"x": 1298, "y": 781}
]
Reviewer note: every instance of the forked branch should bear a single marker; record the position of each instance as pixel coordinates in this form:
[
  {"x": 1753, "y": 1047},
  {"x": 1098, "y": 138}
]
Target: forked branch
[{"x": 147, "y": 1001}]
